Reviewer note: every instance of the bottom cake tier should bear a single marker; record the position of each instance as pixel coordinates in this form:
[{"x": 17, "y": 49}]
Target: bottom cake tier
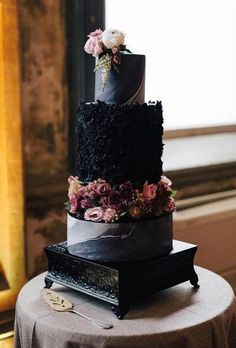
[{"x": 123, "y": 241}]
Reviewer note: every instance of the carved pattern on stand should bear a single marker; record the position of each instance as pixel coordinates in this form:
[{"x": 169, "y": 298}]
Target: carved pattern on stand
[{"x": 118, "y": 283}]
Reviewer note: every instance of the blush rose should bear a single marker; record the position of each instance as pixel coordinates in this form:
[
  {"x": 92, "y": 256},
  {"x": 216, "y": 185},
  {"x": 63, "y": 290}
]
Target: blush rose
[
  {"x": 94, "y": 43},
  {"x": 149, "y": 191}
]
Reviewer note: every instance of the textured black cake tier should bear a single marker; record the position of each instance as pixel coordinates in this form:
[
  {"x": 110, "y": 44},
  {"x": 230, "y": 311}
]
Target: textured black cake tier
[
  {"x": 120, "y": 142},
  {"x": 125, "y": 87}
]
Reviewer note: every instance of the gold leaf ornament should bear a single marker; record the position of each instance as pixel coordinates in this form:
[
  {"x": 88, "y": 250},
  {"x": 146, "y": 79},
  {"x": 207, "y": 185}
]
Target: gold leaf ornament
[
  {"x": 56, "y": 301},
  {"x": 104, "y": 63}
]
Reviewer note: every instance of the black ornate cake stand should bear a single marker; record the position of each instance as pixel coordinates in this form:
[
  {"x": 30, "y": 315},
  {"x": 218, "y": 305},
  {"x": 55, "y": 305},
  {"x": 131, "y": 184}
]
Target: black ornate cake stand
[{"x": 118, "y": 283}]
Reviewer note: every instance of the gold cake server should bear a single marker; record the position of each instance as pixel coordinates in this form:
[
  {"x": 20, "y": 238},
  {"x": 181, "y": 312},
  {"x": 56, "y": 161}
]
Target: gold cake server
[{"x": 61, "y": 304}]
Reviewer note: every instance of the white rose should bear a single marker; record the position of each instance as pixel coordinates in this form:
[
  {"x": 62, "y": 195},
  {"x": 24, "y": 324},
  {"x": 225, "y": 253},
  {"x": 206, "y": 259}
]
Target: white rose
[{"x": 112, "y": 38}]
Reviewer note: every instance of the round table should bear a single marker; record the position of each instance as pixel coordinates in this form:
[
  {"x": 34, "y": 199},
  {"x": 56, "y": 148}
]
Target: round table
[{"x": 179, "y": 317}]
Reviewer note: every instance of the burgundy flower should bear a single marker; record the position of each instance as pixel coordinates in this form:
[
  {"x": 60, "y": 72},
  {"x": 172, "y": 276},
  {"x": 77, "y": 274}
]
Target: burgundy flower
[
  {"x": 116, "y": 59},
  {"x": 158, "y": 207},
  {"x": 114, "y": 199},
  {"x": 127, "y": 186},
  {"x": 86, "y": 203},
  {"x": 126, "y": 192},
  {"x": 94, "y": 214}
]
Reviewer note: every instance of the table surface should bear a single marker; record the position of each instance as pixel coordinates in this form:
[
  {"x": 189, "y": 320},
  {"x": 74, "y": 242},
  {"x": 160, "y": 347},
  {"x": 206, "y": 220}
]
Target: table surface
[{"x": 178, "y": 317}]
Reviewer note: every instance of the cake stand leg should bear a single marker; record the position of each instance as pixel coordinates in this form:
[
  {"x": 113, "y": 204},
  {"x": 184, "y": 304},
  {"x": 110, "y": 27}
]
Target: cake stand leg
[
  {"x": 48, "y": 283},
  {"x": 194, "y": 280},
  {"x": 120, "y": 310}
]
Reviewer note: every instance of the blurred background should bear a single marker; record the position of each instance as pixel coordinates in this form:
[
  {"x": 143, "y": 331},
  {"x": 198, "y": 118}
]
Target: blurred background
[{"x": 191, "y": 54}]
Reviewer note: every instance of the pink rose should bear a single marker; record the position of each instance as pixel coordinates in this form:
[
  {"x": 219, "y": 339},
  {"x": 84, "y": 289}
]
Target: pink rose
[
  {"x": 94, "y": 214},
  {"x": 94, "y": 44},
  {"x": 149, "y": 191},
  {"x": 95, "y": 33}
]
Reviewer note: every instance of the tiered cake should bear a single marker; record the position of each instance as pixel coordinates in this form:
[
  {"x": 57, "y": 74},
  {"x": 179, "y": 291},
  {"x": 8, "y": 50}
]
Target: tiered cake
[{"x": 120, "y": 204}]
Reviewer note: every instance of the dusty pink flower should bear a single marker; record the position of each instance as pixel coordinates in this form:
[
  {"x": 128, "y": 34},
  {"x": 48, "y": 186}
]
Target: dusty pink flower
[
  {"x": 165, "y": 183},
  {"x": 94, "y": 214},
  {"x": 103, "y": 189},
  {"x": 82, "y": 191},
  {"x": 170, "y": 206},
  {"x": 91, "y": 190},
  {"x": 149, "y": 191},
  {"x": 73, "y": 204},
  {"x": 95, "y": 33},
  {"x": 110, "y": 215},
  {"x": 86, "y": 203},
  {"x": 94, "y": 43},
  {"x": 165, "y": 180},
  {"x": 104, "y": 201},
  {"x": 101, "y": 181}
]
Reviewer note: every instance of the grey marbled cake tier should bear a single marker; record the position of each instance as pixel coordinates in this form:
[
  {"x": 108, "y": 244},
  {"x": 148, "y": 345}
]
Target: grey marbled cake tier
[
  {"x": 113, "y": 242},
  {"x": 125, "y": 87}
]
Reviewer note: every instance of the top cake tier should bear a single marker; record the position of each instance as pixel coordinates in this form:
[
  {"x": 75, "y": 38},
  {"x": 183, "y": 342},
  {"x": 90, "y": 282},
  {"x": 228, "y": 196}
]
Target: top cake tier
[
  {"x": 120, "y": 75},
  {"x": 125, "y": 85}
]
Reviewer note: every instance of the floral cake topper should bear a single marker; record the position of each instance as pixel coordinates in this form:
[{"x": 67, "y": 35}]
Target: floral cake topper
[
  {"x": 106, "y": 47},
  {"x": 99, "y": 201}
]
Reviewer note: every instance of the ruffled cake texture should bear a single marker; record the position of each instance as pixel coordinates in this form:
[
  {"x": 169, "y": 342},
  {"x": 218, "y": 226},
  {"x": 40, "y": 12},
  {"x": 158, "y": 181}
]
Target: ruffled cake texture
[{"x": 120, "y": 143}]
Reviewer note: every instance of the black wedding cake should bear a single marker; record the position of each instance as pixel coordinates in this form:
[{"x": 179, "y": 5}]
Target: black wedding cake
[{"x": 120, "y": 203}]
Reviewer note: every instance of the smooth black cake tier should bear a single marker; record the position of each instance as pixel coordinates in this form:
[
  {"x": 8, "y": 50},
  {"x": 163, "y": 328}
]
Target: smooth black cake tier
[
  {"x": 112, "y": 242},
  {"x": 125, "y": 87},
  {"x": 120, "y": 142}
]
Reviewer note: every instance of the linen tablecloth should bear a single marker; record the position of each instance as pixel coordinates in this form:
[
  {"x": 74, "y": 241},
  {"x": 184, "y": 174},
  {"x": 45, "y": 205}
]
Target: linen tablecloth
[{"x": 179, "y": 317}]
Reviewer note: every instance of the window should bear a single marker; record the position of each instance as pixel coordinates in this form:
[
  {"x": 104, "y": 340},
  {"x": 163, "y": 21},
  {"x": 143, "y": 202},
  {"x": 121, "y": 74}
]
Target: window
[{"x": 190, "y": 56}]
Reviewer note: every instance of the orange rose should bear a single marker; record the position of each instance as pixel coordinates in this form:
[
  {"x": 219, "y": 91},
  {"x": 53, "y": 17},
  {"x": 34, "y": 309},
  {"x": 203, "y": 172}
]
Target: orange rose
[
  {"x": 135, "y": 212},
  {"x": 149, "y": 191}
]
